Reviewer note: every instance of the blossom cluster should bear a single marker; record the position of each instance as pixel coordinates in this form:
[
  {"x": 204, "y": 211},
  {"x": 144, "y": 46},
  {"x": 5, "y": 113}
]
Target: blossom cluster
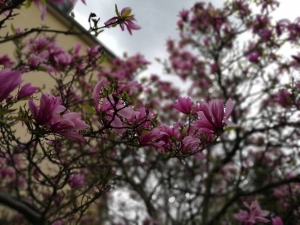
[
  {"x": 9, "y": 81},
  {"x": 124, "y": 19},
  {"x": 255, "y": 215},
  {"x": 55, "y": 116},
  {"x": 210, "y": 119},
  {"x": 101, "y": 127}
]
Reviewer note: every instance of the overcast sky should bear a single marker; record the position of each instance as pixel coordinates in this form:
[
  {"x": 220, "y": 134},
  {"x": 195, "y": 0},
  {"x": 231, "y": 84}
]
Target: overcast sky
[
  {"x": 158, "y": 21},
  {"x": 157, "y": 18}
]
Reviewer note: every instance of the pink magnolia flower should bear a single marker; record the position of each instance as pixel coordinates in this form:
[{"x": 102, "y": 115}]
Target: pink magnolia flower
[
  {"x": 9, "y": 81},
  {"x": 26, "y": 90},
  {"x": 183, "y": 14},
  {"x": 253, "y": 57},
  {"x": 42, "y": 6},
  {"x": 123, "y": 19},
  {"x": 277, "y": 221},
  {"x": 142, "y": 116},
  {"x": 58, "y": 222},
  {"x": 283, "y": 97},
  {"x": 48, "y": 106},
  {"x": 6, "y": 61},
  {"x": 170, "y": 132},
  {"x": 96, "y": 94},
  {"x": 255, "y": 215},
  {"x": 131, "y": 87},
  {"x": 184, "y": 105},
  {"x": 68, "y": 125},
  {"x": 76, "y": 180},
  {"x": 151, "y": 138},
  {"x": 35, "y": 60},
  {"x": 190, "y": 144},
  {"x": 113, "y": 109},
  {"x": 62, "y": 58},
  {"x": 281, "y": 25},
  {"x": 212, "y": 116}
]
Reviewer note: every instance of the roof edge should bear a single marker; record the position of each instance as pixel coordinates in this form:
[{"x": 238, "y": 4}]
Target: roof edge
[{"x": 71, "y": 22}]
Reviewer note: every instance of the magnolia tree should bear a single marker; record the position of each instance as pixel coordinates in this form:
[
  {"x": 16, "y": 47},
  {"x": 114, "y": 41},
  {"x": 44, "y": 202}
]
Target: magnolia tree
[{"x": 225, "y": 151}]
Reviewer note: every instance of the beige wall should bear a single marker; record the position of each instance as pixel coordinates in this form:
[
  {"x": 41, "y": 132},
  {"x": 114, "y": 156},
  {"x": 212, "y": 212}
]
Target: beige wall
[{"x": 31, "y": 18}]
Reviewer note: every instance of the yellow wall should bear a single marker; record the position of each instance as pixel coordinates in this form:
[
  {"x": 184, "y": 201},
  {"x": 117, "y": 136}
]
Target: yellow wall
[{"x": 31, "y": 18}]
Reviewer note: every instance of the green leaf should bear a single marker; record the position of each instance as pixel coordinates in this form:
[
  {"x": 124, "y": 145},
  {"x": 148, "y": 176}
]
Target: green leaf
[
  {"x": 89, "y": 108},
  {"x": 23, "y": 119},
  {"x": 25, "y": 98},
  {"x": 28, "y": 4},
  {"x": 5, "y": 111},
  {"x": 12, "y": 28},
  {"x": 145, "y": 132},
  {"x": 126, "y": 13},
  {"x": 102, "y": 60},
  {"x": 229, "y": 128},
  {"x": 287, "y": 86},
  {"x": 116, "y": 10},
  {"x": 98, "y": 32},
  {"x": 41, "y": 68},
  {"x": 130, "y": 17},
  {"x": 3, "y": 123},
  {"x": 157, "y": 59},
  {"x": 43, "y": 2}
]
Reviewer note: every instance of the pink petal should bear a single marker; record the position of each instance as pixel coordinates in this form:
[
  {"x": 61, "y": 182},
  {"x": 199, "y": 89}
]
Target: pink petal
[
  {"x": 96, "y": 94},
  {"x": 33, "y": 108},
  {"x": 229, "y": 107},
  {"x": 125, "y": 10},
  {"x": 73, "y": 135}
]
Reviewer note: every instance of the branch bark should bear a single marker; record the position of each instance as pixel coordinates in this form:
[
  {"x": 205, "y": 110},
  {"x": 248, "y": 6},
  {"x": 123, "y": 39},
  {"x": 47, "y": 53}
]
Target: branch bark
[{"x": 34, "y": 217}]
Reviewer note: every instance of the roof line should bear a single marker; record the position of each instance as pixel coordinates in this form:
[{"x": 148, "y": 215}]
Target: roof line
[{"x": 71, "y": 22}]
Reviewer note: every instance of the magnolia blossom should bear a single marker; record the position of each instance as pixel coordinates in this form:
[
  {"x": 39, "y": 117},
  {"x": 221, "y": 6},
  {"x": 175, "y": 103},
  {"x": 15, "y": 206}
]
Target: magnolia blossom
[
  {"x": 212, "y": 116},
  {"x": 283, "y": 97},
  {"x": 96, "y": 94},
  {"x": 50, "y": 114},
  {"x": 277, "y": 221},
  {"x": 253, "y": 57},
  {"x": 59, "y": 222},
  {"x": 9, "y": 81},
  {"x": 190, "y": 144},
  {"x": 68, "y": 125},
  {"x": 26, "y": 90},
  {"x": 113, "y": 109},
  {"x": 255, "y": 215},
  {"x": 184, "y": 105},
  {"x": 6, "y": 61},
  {"x": 151, "y": 138},
  {"x": 42, "y": 6},
  {"x": 48, "y": 106},
  {"x": 183, "y": 14},
  {"x": 123, "y": 19},
  {"x": 76, "y": 180}
]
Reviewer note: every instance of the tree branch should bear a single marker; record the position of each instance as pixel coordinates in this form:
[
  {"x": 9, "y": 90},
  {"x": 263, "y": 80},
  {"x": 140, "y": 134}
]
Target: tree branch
[{"x": 34, "y": 217}]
